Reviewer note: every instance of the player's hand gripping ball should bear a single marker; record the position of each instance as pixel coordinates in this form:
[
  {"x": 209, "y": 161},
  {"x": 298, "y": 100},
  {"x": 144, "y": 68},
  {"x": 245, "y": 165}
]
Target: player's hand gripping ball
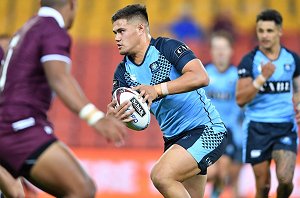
[{"x": 141, "y": 115}]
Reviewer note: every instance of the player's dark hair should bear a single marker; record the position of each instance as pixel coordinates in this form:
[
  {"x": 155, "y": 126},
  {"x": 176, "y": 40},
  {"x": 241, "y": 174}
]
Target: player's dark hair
[
  {"x": 53, "y": 3},
  {"x": 131, "y": 11},
  {"x": 270, "y": 15},
  {"x": 223, "y": 34}
]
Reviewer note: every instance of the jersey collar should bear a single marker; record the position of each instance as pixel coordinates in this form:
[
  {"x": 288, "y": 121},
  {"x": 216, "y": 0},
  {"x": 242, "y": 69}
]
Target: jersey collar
[{"x": 50, "y": 12}]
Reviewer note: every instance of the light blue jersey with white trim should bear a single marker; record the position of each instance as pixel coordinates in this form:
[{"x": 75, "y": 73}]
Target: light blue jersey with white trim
[
  {"x": 164, "y": 61},
  {"x": 273, "y": 103},
  {"x": 221, "y": 91}
]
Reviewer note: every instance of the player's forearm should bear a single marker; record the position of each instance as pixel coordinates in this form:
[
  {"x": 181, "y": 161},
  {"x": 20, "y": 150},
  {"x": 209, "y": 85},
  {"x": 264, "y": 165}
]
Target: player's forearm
[{"x": 69, "y": 92}]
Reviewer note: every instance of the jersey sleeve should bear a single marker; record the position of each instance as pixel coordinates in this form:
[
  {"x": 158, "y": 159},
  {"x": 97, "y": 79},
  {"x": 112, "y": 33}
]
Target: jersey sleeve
[
  {"x": 245, "y": 67},
  {"x": 297, "y": 64},
  {"x": 56, "y": 45},
  {"x": 178, "y": 53},
  {"x": 119, "y": 77}
]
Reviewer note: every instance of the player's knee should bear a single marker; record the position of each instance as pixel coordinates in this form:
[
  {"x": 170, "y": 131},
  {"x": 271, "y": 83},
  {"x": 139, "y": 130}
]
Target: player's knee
[
  {"x": 158, "y": 178},
  {"x": 263, "y": 190},
  {"x": 285, "y": 179}
]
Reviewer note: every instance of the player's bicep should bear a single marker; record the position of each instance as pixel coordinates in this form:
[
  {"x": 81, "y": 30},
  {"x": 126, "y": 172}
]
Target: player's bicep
[
  {"x": 55, "y": 71},
  {"x": 195, "y": 66},
  {"x": 242, "y": 83}
]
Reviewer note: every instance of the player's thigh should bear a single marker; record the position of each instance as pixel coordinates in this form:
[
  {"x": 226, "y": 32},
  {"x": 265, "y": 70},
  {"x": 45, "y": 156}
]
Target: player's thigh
[
  {"x": 225, "y": 163},
  {"x": 219, "y": 169},
  {"x": 195, "y": 185},
  {"x": 235, "y": 169},
  {"x": 212, "y": 172},
  {"x": 58, "y": 172},
  {"x": 10, "y": 186},
  {"x": 285, "y": 164},
  {"x": 176, "y": 163},
  {"x": 259, "y": 142}
]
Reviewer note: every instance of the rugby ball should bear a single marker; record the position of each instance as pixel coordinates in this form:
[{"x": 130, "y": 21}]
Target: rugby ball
[{"x": 141, "y": 115}]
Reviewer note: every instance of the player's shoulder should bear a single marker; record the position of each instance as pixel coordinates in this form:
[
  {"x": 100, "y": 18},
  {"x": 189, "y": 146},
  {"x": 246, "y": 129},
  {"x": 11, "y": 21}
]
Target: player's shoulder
[
  {"x": 209, "y": 67},
  {"x": 232, "y": 68},
  {"x": 293, "y": 53},
  {"x": 164, "y": 42},
  {"x": 49, "y": 27},
  {"x": 121, "y": 66},
  {"x": 250, "y": 55}
]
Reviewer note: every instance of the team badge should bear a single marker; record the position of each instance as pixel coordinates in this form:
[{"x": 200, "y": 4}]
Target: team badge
[
  {"x": 287, "y": 67},
  {"x": 154, "y": 67}
]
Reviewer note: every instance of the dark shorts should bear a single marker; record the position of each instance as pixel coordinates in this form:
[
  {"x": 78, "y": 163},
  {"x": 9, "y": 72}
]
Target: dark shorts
[
  {"x": 232, "y": 150},
  {"x": 263, "y": 138},
  {"x": 206, "y": 144},
  {"x": 22, "y": 142}
]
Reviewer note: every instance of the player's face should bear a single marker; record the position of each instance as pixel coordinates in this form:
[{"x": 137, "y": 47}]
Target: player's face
[
  {"x": 126, "y": 36},
  {"x": 221, "y": 51},
  {"x": 268, "y": 34}
]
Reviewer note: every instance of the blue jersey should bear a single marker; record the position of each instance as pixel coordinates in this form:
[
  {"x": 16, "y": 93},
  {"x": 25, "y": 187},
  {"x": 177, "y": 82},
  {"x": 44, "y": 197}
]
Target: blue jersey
[
  {"x": 273, "y": 103},
  {"x": 221, "y": 91},
  {"x": 164, "y": 61}
]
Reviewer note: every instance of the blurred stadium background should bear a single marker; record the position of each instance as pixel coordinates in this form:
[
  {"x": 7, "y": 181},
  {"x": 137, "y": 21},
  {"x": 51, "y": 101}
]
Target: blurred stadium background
[{"x": 124, "y": 172}]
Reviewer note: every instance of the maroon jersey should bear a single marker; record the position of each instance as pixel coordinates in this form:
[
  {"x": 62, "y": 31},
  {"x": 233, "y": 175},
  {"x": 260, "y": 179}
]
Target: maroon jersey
[
  {"x": 25, "y": 90},
  {"x": 25, "y": 94}
]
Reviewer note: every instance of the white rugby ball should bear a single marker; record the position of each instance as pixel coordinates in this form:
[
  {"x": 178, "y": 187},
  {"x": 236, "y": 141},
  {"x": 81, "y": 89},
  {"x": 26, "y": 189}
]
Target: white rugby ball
[{"x": 141, "y": 115}]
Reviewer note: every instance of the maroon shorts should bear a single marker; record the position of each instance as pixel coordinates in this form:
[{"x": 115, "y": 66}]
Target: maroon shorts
[{"x": 22, "y": 142}]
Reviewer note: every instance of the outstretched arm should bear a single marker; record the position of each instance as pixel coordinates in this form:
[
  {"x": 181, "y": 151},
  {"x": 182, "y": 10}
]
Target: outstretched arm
[{"x": 68, "y": 90}]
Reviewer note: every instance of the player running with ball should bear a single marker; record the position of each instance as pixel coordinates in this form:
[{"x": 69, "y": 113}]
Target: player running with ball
[{"x": 169, "y": 77}]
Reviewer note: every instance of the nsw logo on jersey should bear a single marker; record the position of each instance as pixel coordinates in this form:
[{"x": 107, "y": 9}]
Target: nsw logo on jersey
[
  {"x": 154, "y": 67},
  {"x": 180, "y": 50},
  {"x": 287, "y": 67}
]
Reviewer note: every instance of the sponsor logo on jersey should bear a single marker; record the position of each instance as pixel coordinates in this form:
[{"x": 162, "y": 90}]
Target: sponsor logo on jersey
[
  {"x": 154, "y": 67},
  {"x": 219, "y": 95},
  {"x": 275, "y": 87},
  {"x": 180, "y": 50},
  {"x": 137, "y": 107}
]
